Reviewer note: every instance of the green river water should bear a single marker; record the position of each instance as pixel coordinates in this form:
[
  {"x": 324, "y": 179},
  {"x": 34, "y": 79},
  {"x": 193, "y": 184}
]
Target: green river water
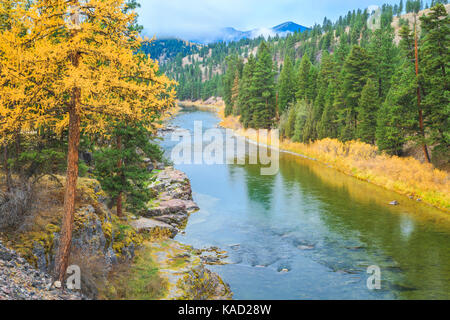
[{"x": 323, "y": 227}]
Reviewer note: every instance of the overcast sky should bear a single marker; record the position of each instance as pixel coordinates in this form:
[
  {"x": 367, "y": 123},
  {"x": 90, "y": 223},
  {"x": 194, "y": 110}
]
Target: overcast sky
[{"x": 188, "y": 19}]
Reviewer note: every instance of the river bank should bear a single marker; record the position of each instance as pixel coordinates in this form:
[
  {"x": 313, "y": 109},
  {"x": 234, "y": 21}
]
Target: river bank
[
  {"x": 134, "y": 257},
  {"x": 181, "y": 268},
  {"x": 406, "y": 176},
  {"x": 310, "y": 231}
]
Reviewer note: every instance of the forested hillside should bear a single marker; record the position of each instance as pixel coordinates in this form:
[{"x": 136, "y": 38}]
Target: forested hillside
[
  {"x": 375, "y": 76},
  {"x": 165, "y": 49}
]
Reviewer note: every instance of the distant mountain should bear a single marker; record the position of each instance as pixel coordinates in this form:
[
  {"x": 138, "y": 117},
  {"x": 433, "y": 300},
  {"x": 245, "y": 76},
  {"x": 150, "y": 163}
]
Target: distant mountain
[
  {"x": 231, "y": 34},
  {"x": 289, "y": 27}
]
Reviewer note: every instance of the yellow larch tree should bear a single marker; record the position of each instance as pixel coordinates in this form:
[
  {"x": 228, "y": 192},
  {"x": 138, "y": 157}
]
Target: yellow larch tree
[{"x": 80, "y": 71}]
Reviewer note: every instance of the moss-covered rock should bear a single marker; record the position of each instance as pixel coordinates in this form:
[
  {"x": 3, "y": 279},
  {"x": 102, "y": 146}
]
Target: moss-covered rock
[{"x": 202, "y": 284}]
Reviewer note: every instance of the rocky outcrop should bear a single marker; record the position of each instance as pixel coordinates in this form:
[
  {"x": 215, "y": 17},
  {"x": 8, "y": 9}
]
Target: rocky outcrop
[
  {"x": 93, "y": 236},
  {"x": 20, "y": 281},
  {"x": 170, "y": 210},
  {"x": 186, "y": 273},
  {"x": 172, "y": 184},
  {"x": 154, "y": 228},
  {"x": 99, "y": 241},
  {"x": 202, "y": 284},
  {"x": 183, "y": 267}
]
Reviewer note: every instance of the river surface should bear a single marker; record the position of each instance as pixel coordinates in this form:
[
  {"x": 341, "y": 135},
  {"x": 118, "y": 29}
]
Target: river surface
[{"x": 310, "y": 232}]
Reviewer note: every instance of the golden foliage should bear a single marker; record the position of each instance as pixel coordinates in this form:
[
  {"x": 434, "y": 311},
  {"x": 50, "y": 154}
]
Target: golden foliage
[
  {"x": 407, "y": 176},
  {"x": 38, "y": 74}
]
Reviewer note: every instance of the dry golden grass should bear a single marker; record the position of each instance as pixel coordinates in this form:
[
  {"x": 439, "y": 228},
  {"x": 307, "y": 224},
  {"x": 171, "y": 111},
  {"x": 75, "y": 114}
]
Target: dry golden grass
[
  {"x": 406, "y": 176},
  {"x": 212, "y": 103}
]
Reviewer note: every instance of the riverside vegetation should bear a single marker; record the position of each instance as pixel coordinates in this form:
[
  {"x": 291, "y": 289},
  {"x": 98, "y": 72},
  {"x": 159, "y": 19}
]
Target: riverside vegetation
[
  {"x": 366, "y": 94},
  {"x": 80, "y": 106},
  {"x": 405, "y": 175},
  {"x": 81, "y": 102}
]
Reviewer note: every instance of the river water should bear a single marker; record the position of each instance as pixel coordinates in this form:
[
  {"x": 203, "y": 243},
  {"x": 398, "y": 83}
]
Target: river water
[{"x": 310, "y": 232}]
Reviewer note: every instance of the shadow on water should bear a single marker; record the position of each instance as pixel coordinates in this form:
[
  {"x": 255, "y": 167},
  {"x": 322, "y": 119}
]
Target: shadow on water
[{"x": 310, "y": 232}]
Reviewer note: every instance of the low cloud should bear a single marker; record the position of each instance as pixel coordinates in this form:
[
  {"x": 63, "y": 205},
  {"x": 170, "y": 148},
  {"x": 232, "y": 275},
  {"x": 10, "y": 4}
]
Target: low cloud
[
  {"x": 203, "y": 19},
  {"x": 265, "y": 32}
]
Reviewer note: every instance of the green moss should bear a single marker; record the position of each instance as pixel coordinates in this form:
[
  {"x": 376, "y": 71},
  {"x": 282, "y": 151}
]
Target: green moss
[
  {"x": 138, "y": 281},
  {"x": 124, "y": 236}
]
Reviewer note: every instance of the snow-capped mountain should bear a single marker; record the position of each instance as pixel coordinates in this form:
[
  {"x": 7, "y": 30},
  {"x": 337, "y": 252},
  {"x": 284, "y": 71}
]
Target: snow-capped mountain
[{"x": 231, "y": 34}]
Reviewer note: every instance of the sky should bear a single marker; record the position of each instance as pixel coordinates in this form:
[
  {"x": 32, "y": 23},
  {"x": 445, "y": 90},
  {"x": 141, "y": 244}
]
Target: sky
[{"x": 189, "y": 19}]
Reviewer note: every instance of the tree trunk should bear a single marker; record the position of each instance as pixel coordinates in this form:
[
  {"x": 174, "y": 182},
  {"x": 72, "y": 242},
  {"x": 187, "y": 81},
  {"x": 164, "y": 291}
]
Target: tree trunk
[
  {"x": 277, "y": 111},
  {"x": 62, "y": 259},
  {"x": 419, "y": 100},
  {"x": 119, "y": 166},
  {"x": 18, "y": 143},
  {"x": 380, "y": 85},
  {"x": 7, "y": 171}
]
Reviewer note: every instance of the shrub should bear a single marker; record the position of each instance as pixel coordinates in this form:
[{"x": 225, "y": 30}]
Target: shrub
[{"x": 15, "y": 207}]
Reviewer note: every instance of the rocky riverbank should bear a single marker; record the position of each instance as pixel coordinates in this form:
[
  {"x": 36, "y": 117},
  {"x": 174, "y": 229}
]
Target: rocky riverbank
[
  {"x": 100, "y": 239},
  {"x": 103, "y": 243},
  {"x": 182, "y": 268},
  {"x": 20, "y": 281}
]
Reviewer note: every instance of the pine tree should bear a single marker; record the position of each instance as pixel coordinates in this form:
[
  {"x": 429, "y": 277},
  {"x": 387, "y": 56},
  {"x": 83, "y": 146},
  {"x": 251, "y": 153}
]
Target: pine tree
[
  {"x": 301, "y": 109},
  {"x": 245, "y": 107},
  {"x": 234, "y": 65},
  {"x": 85, "y": 72},
  {"x": 130, "y": 177},
  {"x": 357, "y": 70},
  {"x": 303, "y": 78},
  {"x": 286, "y": 85},
  {"x": 435, "y": 64},
  {"x": 290, "y": 125},
  {"x": 397, "y": 116},
  {"x": 309, "y": 126},
  {"x": 410, "y": 49},
  {"x": 311, "y": 89},
  {"x": 262, "y": 90},
  {"x": 328, "y": 123},
  {"x": 325, "y": 80},
  {"x": 368, "y": 108},
  {"x": 385, "y": 57}
]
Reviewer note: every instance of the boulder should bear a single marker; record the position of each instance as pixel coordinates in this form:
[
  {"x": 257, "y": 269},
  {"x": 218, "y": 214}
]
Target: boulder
[
  {"x": 167, "y": 207},
  {"x": 191, "y": 205},
  {"x": 153, "y": 227},
  {"x": 173, "y": 219},
  {"x": 150, "y": 167},
  {"x": 173, "y": 183}
]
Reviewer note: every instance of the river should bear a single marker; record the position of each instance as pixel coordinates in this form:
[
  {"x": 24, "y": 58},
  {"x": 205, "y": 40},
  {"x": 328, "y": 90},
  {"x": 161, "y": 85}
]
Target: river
[{"x": 310, "y": 232}]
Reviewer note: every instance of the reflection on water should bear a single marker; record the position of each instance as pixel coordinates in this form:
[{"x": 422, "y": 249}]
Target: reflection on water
[{"x": 310, "y": 232}]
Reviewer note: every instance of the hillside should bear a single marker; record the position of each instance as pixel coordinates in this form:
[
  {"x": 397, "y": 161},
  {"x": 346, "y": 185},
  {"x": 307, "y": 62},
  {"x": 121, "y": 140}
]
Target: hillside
[
  {"x": 165, "y": 50},
  {"x": 197, "y": 71},
  {"x": 326, "y": 76}
]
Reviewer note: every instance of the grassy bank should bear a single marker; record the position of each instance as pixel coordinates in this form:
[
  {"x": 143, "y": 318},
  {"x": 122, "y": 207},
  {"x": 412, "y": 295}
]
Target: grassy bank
[
  {"x": 406, "y": 176},
  {"x": 139, "y": 280}
]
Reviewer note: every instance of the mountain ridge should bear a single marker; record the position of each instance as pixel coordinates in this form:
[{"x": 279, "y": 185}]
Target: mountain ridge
[{"x": 230, "y": 34}]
